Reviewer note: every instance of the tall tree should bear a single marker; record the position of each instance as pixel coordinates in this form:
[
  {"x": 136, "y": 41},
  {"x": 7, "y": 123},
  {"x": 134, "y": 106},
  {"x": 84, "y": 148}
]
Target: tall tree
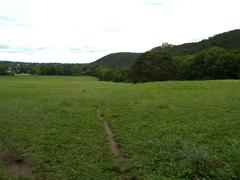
[
  {"x": 154, "y": 66},
  {"x": 3, "y": 69}
]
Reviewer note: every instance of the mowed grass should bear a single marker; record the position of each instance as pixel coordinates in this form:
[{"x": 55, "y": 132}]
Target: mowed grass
[{"x": 168, "y": 130}]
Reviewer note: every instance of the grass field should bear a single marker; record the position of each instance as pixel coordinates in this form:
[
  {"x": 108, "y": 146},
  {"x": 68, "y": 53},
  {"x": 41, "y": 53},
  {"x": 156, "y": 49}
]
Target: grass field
[{"x": 167, "y": 130}]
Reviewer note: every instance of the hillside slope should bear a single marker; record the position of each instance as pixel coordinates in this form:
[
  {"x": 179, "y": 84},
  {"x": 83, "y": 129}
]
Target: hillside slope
[
  {"x": 228, "y": 40},
  {"x": 116, "y": 60}
]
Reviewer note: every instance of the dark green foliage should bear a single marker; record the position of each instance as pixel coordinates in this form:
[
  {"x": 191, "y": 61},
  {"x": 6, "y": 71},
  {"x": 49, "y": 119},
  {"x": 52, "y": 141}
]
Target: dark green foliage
[
  {"x": 228, "y": 40},
  {"x": 3, "y": 69},
  {"x": 107, "y": 74},
  {"x": 214, "y": 63},
  {"x": 116, "y": 60},
  {"x": 19, "y": 67},
  {"x": 154, "y": 66},
  {"x": 57, "y": 69},
  {"x": 41, "y": 68},
  {"x": 215, "y": 58}
]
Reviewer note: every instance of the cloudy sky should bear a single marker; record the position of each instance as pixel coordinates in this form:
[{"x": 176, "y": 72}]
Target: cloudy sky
[{"x": 80, "y": 31}]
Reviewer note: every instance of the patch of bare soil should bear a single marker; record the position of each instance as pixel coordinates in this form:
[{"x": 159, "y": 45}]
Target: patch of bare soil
[
  {"x": 14, "y": 164},
  {"x": 120, "y": 159}
]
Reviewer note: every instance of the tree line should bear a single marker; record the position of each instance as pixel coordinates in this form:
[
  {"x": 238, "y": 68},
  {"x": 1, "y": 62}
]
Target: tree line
[
  {"x": 154, "y": 65},
  {"x": 213, "y": 63},
  {"x": 13, "y": 68}
]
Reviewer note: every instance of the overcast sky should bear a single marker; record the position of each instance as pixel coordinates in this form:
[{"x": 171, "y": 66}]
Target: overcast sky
[{"x": 80, "y": 31}]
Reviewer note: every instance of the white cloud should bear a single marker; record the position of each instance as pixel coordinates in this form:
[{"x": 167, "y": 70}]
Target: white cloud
[{"x": 58, "y": 30}]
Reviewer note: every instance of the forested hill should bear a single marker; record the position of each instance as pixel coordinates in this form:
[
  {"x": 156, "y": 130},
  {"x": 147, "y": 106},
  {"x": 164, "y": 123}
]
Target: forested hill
[
  {"x": 228, "y": 40},
  {"x": 116, "y": 60},
  {"x": 217, "y": 57}
]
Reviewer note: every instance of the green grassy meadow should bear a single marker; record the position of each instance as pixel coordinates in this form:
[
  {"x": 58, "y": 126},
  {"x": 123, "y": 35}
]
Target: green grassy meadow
[{"x": 168, "y": 130}]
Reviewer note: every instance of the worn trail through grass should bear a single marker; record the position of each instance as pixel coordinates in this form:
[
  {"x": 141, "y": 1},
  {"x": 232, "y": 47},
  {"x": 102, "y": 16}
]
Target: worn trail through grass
[{"x": 120, "y": 159}]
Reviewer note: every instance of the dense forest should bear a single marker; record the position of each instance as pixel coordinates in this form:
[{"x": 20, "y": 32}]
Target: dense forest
[{"x": 215, "y": 58}]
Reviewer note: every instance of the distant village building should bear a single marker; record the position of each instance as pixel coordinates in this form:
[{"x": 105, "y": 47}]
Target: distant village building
[
  {"x": 9, "y": 71},
  {"x": 166, "y": 44}
]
